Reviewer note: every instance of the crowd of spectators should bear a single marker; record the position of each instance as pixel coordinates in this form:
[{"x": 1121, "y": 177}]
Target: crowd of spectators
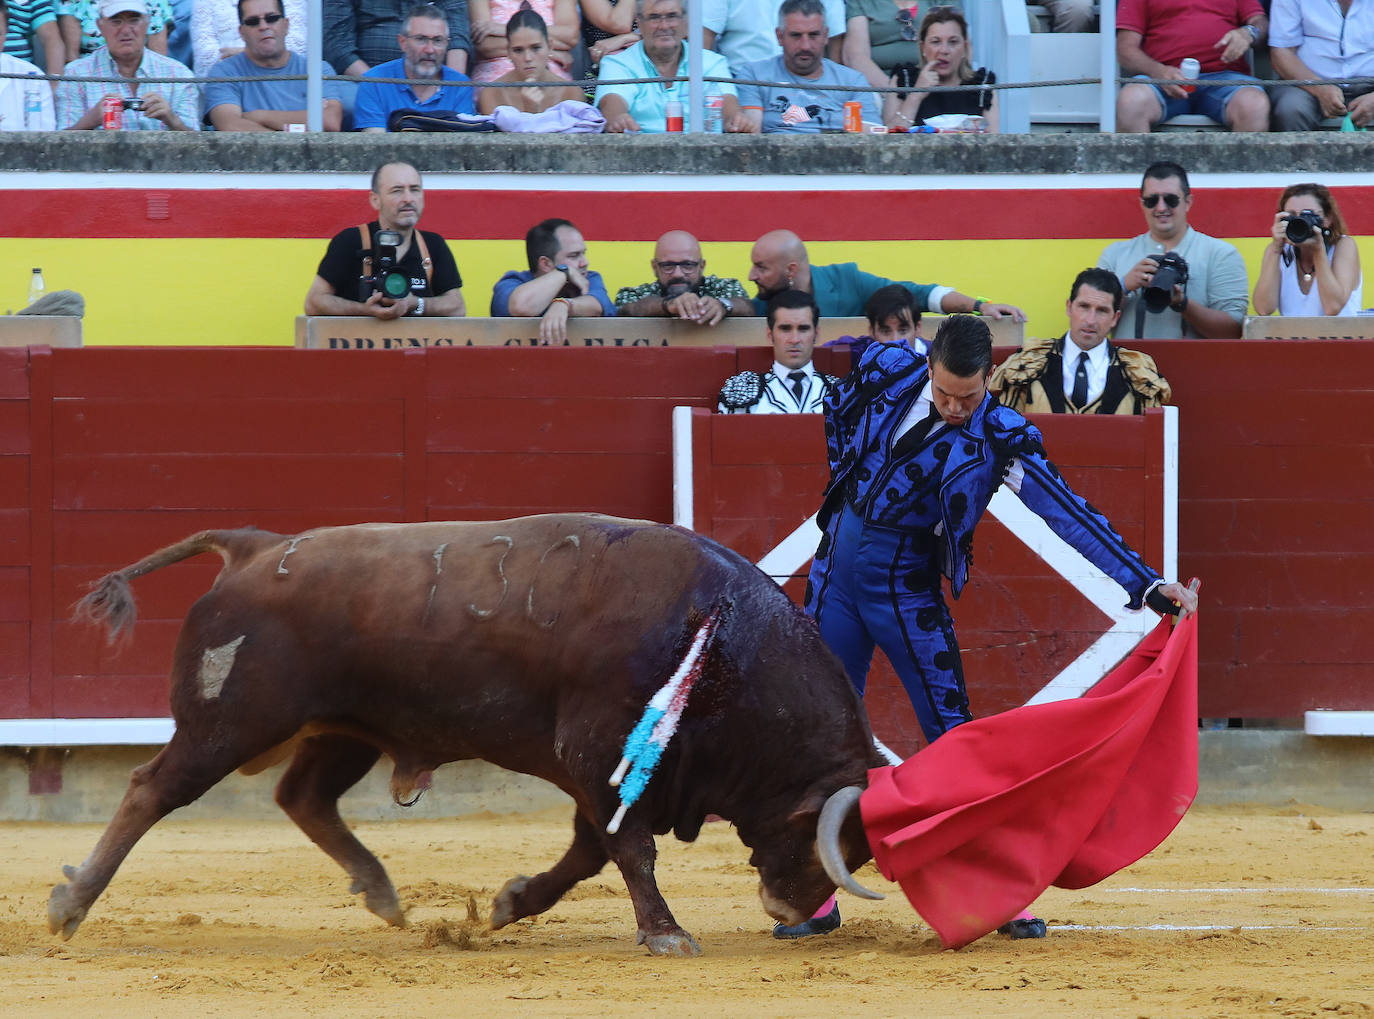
[{"x": 788, "y": 67}]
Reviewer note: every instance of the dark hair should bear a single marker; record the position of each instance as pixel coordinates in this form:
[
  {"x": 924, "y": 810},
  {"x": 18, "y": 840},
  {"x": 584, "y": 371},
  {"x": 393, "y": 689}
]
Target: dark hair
[
  {"x": 377, "y": 173},
  {"x": 1099, "y": 279},
  {"x": 280, "y": 9},
  {"x": 806, "y": 8},
  {"x": 792, "y": 299},
  {"x": 542, "y": 241},
  {"x": 4, "y": 10},
  {"x": 938, "y": 16},
  {"x": 890, "y": 300},
  {"x": 424, "y": 11},
  {"x": 1163, "y": 170},
  {"x": 1335, "y": 222},
  {"x": 527, "y": 17},
  {"x": 963, "y": 346}
]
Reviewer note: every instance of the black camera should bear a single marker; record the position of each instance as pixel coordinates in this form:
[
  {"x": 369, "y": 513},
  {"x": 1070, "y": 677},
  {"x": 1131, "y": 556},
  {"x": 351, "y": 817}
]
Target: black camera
[
  {"x": 1302, "y": 227},
  {"x": 1172, "y": 272},
  {"x": 132, "y": 103},
  {"x": 386, "y": 276}
]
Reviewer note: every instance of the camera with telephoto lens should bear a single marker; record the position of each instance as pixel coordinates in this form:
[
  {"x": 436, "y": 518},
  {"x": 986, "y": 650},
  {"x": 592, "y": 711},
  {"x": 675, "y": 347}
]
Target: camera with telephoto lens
[
  {"x": 1172, "y": 272},
  {"x": 386, "y": 276},
  {"x": 1302, "y": 227}
]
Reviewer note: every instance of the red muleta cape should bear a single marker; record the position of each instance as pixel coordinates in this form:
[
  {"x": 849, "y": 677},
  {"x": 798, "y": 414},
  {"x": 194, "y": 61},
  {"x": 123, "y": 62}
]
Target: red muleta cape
[{"x": 987, "y": 817}]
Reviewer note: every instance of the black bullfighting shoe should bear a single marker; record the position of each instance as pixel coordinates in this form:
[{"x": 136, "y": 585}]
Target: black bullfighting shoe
[
  {"x": 1024, "y": 928},
  {"x": 816, "y": 925}
]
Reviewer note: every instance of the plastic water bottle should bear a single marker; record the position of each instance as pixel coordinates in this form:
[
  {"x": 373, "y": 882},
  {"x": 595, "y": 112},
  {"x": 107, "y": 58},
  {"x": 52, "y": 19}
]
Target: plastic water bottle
[
  {"x": 33, "y": 108},
  {"x": 1190, "y": 69},
  {"x": 37, "y": 288},
  {"x": 714, "y": 104}
]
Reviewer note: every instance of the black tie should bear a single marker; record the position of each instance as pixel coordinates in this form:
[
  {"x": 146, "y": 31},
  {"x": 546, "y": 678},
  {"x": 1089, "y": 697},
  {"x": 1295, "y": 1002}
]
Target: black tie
[
  {"x": 798, "y": 380},
  {"x": 1080, "y": 381}
]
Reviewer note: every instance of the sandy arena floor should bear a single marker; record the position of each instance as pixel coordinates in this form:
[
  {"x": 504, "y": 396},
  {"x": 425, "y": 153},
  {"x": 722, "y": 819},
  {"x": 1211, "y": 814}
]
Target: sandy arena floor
[{"x": 1243, "y": 912}]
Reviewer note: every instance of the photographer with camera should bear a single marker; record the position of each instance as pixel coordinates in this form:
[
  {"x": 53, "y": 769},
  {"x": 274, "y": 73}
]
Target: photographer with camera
[
  {"x": 1311, "y": 266},
  {"x": 1178, "y": 282},
  {"x": 389, "y": 267},
  {"x": 164, "y": 107}
]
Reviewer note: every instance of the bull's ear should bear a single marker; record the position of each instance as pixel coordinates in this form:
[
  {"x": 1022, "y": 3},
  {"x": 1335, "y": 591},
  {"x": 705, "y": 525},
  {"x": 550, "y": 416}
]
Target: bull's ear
[{"x": 808, "y": 810}]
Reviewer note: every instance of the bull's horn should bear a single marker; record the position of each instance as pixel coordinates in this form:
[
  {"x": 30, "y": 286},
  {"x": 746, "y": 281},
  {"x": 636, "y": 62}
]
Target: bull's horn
[{"x": 833, "y": 815}]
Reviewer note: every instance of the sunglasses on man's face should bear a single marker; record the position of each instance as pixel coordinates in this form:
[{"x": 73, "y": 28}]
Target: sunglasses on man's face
[
  {"x": 255, "y": 20},
  {"x": 1150, "y": 201}
]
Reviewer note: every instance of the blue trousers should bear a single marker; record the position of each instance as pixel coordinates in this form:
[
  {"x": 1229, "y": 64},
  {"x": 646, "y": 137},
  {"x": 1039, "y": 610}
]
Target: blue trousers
[{"x": 876, "y": 586}]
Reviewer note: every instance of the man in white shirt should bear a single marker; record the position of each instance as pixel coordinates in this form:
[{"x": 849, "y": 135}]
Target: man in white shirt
[
  {"x": 1081, "y": 372},
  {"x": 1322, "y": 40},
  {"x": 744, "y": 31},
  {"x": 24, "y": 105},
  {"x": 792, "y": 385}
]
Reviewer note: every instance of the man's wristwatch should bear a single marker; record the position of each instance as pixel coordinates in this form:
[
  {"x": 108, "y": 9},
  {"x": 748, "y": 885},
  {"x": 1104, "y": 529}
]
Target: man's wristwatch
[
  {"x": 419, "y": 307},
  {"x": 1254, "y": 33},
  {"x": 725, "y": 306}
]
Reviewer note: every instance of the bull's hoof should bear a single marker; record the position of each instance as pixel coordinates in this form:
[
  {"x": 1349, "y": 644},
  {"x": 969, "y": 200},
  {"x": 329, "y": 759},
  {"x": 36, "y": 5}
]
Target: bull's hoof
[
  {"x": 503, "y": 908},
  {"x": 64, "y": 913},
  {"x": 679, "y": 943},
  {"x": 382, "y": 901}
]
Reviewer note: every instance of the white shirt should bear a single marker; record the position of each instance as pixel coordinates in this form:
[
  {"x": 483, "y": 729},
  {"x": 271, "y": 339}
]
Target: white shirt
[
  {"x": 1098, "y": 360},
  {"x": 1331, "y": 46},
  {"x": 746, "y": 29},
  {"x": 12, "y": 97},
  {"x": 1292, "y": 301}
]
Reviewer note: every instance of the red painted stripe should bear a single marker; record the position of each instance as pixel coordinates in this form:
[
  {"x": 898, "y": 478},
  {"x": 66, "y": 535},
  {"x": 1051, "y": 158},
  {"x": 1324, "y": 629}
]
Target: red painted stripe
[{"x": 991, "y": 214}]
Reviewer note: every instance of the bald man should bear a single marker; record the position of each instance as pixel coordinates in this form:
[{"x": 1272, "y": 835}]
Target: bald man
[
  {"x": 779, "y": 262},
  {"x": 681, "y": 288}
]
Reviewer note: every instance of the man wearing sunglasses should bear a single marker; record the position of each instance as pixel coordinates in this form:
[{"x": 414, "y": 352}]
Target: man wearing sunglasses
[
  {"x": 1212, "y": 303},
  {"x": 238, "y": 105},
  {"x": 681, "y": 288}
]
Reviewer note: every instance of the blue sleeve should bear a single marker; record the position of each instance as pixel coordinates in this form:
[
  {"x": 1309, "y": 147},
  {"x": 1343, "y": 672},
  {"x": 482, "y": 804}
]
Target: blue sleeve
[
  {"x": 218, "y": 93},
  {"x": 331, "y": 89},
  {"x": 1070, "y": 516},
  {"x": 369, "y": 110},
  {"x": 597, "y": 288},
  {"x": 867, "y": 284},
  {"x": 500, "y": 294},
  {"x": 460, "y": 100}
]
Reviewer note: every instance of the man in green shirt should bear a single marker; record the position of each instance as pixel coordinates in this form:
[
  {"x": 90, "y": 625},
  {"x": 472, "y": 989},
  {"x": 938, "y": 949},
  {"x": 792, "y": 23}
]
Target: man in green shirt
[
  {"x": 780, "y": 263},
  {"x": 681, "y": 288}
]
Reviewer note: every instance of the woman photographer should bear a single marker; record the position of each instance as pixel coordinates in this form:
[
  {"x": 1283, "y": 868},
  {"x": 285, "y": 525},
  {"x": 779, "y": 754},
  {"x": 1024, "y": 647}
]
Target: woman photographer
[
  {"x": 1311, "y": 266},
  {"x": 946, "y": 56}
]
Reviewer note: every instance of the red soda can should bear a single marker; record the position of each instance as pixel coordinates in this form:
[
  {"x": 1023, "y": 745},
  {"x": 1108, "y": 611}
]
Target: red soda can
[
  {"x": 853, "y": 117},
  {"x": 114, "y": 113}
]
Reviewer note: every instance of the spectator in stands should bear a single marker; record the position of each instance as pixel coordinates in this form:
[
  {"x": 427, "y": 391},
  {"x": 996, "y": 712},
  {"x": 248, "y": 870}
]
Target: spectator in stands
[
  {"x": 1322, "y": 40},
  {"x": 15, "y": 91},
  {"x": 792, "y": 385},
  {"x": 78, "y": 21},
  {"x": 794, "y": 106},
  {"x": 265, "y": 105},
  {"x": 161, "y": 107},
  {"x": 780, "y": 262},
  {"x": 489, "y": 20},
  {"x": 1317, "y": 276},
  {"x": 1154, "y": 36},
  {"x": 608, "y": 26},
  {"x": 1082, "y": 372},
  {"x": 1211, "y": 302},
  {"x": 527, "y": 39},
  {"x": 361, "y": 34},
  {"x": 681, "y": 288},
  {"x": 1067, "y": 15},
  {"x": 423, "y": 44},
  {"x": 945, "y": 60},
  {"x": 661, "y": 54},
  {"x": 423, "y": 257},
  {"x": 215, "y": 31},
  {"x": 558, "y": 284},
  {"x": 32, "y": 34},
  {"x": 745, "y": 31}
]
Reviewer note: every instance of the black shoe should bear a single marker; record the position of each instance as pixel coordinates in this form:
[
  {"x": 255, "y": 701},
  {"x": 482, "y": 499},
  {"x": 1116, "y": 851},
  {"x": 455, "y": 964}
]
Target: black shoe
[
  {"x": 816, "y": 925},
  {"x": 1022, "y": 928}
]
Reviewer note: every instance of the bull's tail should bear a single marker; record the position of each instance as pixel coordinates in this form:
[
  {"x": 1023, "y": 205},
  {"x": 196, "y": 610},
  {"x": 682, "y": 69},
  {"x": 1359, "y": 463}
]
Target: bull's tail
[{"x": 110, "y": 601}]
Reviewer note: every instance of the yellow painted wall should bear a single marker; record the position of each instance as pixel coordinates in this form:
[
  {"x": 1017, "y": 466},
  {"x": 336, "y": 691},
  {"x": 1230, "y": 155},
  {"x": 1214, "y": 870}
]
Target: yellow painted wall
[{"x": 216, "y": 291}]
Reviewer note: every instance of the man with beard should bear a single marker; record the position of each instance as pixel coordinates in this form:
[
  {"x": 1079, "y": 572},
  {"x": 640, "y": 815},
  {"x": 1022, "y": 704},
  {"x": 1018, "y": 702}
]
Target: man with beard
[
  {"x": 681, "y": 288},
  {"x": 792, "y": 385},
  {"x": 435, "y": 286},
  {"x": 794, "y": 106},
  {"x": 423, "y": 44},
  {"x": 238, "y": 105},
  {"x": 558, "y": 285},
  {"x": 780, "y": 262},
  {"x": 661, "y": 54}
]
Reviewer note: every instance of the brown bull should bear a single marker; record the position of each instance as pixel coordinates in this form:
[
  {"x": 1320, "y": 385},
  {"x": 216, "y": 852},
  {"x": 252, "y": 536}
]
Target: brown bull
[{"x": 534, "y": 644}]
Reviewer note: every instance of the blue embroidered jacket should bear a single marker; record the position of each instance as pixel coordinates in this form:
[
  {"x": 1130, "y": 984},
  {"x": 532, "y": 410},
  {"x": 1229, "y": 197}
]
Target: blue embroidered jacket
[{"x": 861, "y": 415}]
